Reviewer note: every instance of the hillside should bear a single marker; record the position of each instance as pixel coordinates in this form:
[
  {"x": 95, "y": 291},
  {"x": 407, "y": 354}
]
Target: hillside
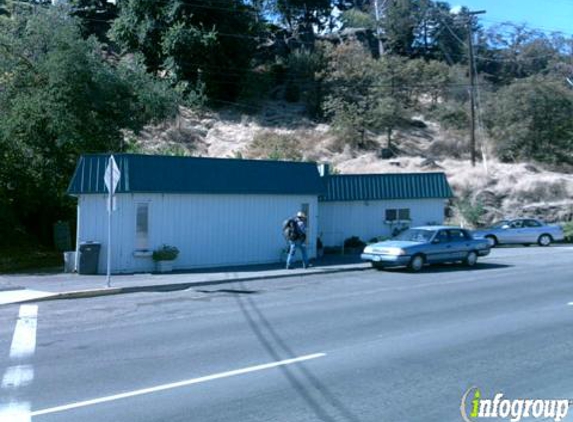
[{"x": 488, "y": 192}]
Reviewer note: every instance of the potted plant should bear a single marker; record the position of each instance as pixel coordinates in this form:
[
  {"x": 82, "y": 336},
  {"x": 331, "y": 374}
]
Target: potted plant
[
  {"x": 164, "y": 257},
  {"x": 353, "y": 245}
]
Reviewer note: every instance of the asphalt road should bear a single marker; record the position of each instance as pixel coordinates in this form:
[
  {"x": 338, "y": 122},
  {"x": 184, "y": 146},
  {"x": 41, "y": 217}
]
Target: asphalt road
[{"x": 367, "y": 346}]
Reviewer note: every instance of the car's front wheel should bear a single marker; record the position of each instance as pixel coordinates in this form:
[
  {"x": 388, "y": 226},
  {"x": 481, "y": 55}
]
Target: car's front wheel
[
  {"x": 416, "y": 263},
  {"x": 544, "y": 240},
  {"x": 377, "y": 265},
  {"x": 471, "y": 259}
]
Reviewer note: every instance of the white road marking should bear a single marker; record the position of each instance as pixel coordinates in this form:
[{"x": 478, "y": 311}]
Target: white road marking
[
  {"x": 24, "y": 340},
  {"x": 18, "y": 376},
  {"x": 23, "y": 346},
  {"x": 15, "y": 296},
  {"x": 176, "y": 384},
  {"x": 15, "y": 412}
]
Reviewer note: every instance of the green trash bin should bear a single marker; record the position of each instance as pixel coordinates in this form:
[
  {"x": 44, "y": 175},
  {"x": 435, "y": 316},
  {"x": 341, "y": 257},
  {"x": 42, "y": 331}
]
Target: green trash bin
[{"x": 89, "y": 258}]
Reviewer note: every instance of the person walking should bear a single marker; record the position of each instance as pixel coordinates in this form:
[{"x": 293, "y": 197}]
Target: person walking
[{"x": 296, "y": 237}]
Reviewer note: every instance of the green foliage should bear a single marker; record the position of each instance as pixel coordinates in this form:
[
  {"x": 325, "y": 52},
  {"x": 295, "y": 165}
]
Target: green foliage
[
  {"x": 365, "y": 94},
  {"x": 470, "y": 210},
  {"x": 377, "y": 239},
  {"x": 165, "y": 253},
  {"x": 187, "y": 41},
  {"x": 519, "y": 52},
  {"x": 531, "y": 119},
  {"x": 301, "y": 15},
  {"x": 59, "y": 99},
  {"x": 451, "y": 115},
  {"x": 354, "y": 242},
  {"x": 568, "y": 231},
  {"x": 355, "y": 18},
  {"x": 96, "y": 16},
  {"x": 274, "y": 146},
  {"x": 5, "y": 8}
]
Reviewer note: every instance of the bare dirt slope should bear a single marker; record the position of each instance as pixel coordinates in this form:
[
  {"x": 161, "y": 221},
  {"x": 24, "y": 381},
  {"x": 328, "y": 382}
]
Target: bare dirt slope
[{"x": 500, "y": 189}]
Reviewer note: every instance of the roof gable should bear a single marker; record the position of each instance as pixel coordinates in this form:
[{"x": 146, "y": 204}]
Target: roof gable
[
  {"x": 371, "y": 187},
  {"x": 168, "y": 174}
]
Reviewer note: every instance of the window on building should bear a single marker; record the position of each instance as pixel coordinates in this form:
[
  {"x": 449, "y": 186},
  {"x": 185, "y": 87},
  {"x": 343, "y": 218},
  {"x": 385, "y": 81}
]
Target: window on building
[
  {"x": 397, "y": 214},
  {"x": 142, "y": 227},
  {"x": 404, "y": 214}
]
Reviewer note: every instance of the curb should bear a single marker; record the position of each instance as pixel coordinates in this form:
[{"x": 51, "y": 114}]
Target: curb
[{"x": 83, "y": 294}]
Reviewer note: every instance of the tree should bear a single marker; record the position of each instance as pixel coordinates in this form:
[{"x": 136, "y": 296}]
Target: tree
[
  {"x": 365, "y": 94},
  {"x": 349, "y": 84},
  {"x": 302, "y": 16},
  {"x": 60, "y": 98},
  {"x": 400, "y": 20},
  {"x": 517, "y": 51},
  {"x": 96, "y": 16},
  {"x": 531, "y": 119},
  {"x": 212, "y": 43}
]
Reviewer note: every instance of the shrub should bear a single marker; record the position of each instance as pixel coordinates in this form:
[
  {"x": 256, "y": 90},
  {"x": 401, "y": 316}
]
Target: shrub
[
  {"x": 378, "y": 239},
  {"x": 275, "y": 146},
  {"x": 354, "y": 242},
  {"x": 165, "y": 253},
  {"x": 568, "y": 231},
  {"x": 471, "y": 211}
]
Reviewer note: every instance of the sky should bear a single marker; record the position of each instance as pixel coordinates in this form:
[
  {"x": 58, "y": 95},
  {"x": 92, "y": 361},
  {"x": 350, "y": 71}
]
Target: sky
[{"x": 546, "y": 15}]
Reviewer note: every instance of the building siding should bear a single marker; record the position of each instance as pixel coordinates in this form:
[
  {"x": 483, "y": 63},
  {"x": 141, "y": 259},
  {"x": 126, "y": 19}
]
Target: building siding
[
  {"x": 209, "y": 230},
  {"x": 366, "y": 219}
]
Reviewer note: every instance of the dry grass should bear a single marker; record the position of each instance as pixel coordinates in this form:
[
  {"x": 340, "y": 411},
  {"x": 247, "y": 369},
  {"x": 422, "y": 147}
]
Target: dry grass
[{"x": 502, "y": 189}]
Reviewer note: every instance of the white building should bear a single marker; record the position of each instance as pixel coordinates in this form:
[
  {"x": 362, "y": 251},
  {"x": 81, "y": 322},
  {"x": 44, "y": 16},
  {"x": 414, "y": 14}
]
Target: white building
[
  {"x": 227, "y": 212},
  {"x": 217, "y": 212},
  {"x": 374, "y": 205}
]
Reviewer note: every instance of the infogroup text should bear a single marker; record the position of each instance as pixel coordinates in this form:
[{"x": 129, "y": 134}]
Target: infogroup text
[{"x": 474, "y": 407}]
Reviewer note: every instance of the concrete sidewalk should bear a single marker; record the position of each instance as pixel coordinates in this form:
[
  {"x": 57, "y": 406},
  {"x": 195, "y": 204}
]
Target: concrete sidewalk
[{"x": 19, "y": 288}]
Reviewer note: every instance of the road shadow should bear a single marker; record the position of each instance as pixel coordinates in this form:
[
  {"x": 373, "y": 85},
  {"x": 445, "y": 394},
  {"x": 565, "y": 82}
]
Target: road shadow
[
  {"x": 308, "y": 386},
  {"x": 449, "y": 268},
  {"x": 324, "y": 262}
]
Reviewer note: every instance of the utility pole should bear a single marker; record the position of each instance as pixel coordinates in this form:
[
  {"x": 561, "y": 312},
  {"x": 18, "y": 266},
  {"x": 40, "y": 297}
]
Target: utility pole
[{"x": 472, "y": 84}]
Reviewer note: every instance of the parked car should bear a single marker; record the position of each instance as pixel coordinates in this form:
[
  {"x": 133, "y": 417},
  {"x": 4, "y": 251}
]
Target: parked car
[
  {"x": 522, "y": 231},
  {"x": 419, "y": 246}
]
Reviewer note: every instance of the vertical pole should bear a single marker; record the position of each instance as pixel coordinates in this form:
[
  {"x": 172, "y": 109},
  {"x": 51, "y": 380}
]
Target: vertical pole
[
  {"x": 78, "y": 228},
  {"x": 472, "y": 85},
  {"x": 378, "y": 31},
  {"x": 472, "y": 95},
  {"x": 110, "y": 204}
]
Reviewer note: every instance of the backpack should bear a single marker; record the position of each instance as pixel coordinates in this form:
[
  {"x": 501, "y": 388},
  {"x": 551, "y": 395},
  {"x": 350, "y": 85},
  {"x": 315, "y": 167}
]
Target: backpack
[{"x": 290, "y": 231}]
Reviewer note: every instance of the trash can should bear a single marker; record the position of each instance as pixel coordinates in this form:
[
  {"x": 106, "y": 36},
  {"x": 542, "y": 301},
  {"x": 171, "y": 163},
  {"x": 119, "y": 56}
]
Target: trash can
[
  {"x": 89, "y": 258},
  {"x": 69, "y": 262}
]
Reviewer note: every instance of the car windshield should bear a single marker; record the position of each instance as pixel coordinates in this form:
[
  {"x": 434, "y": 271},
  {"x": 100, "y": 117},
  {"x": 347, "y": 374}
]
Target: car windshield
[
  {"x": 416, "y": 235},
  {"x": 500, "y": 224}
]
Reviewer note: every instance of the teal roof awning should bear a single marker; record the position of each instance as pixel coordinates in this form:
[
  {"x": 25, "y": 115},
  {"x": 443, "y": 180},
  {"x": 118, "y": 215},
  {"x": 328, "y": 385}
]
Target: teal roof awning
[
  {"x": 372, "y": 187},
  {"x": 169, "y": 174}
]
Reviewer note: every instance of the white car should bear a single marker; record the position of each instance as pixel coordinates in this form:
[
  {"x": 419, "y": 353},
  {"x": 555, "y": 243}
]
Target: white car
[{"x": 522, "y": 231}]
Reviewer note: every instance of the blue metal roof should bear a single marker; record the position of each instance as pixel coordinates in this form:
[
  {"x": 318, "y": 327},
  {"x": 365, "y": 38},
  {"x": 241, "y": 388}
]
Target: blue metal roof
[
  {"x": 168, "y": 174},
  {"x": 372, "y": 187}
]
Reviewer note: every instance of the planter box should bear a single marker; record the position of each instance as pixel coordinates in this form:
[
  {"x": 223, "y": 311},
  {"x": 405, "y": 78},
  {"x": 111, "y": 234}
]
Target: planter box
[{"x": 164, "y": 266}]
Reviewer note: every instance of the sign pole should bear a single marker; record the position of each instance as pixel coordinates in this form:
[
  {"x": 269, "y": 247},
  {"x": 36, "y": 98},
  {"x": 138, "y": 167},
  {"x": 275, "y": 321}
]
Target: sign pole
[
  {"x": 109, "y": 209},
  {"x": 111, "y": 179}
]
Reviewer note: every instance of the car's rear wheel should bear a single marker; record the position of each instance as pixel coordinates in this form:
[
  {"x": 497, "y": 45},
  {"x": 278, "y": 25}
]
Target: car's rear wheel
[
  {"x": 492, "y": 241},
  {"x": 416, "y": 263},
  {"x": 544, "y": 240},
  {"x": 471, "y": 259},
  {"x": 377, "y": 265}
]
